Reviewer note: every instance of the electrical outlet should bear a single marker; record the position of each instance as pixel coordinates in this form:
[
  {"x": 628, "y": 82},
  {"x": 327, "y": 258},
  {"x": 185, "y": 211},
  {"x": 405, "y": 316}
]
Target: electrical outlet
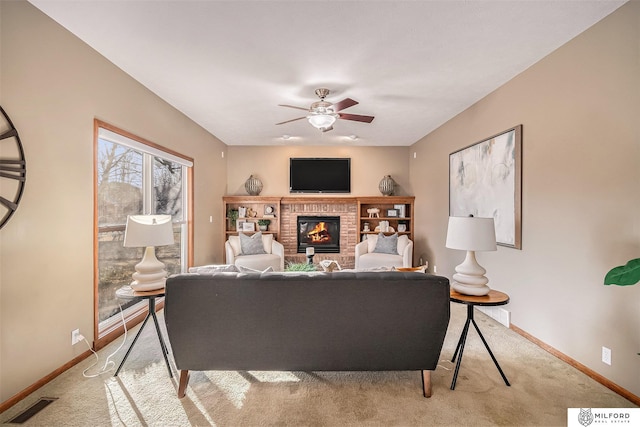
[
  {"x": 76, "y": 337},
  {"x": 606, "y": 355},
  {"x": 435, "y": 269}
]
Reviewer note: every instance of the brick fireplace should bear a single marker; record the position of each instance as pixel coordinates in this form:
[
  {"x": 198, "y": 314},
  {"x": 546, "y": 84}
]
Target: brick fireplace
[{"x": 345, "y": 208}]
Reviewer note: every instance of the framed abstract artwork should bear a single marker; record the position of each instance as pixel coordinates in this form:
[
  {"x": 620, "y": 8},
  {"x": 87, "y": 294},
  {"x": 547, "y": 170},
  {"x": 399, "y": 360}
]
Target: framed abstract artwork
[{"x": 485, "y": 180}]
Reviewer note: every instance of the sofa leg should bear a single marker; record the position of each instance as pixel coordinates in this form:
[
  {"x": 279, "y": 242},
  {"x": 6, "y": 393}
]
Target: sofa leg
[
  {"x": 184, "y": 380},
  {"x": 426, "y": 383}
]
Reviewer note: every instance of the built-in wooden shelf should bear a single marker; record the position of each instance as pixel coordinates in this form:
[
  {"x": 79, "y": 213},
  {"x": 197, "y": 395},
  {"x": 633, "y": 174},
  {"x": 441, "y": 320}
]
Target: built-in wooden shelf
[{"x": 384, "y": 203}]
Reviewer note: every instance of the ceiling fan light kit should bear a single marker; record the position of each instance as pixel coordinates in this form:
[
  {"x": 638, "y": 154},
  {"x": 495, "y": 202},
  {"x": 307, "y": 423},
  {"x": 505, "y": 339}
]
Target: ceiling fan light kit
[
  {"x": 323, "y": 114},
  {"x": 322, "y": 121}
]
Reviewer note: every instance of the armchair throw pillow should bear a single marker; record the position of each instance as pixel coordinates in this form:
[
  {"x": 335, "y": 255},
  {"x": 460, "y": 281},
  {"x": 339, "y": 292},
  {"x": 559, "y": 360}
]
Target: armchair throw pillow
[
  {"x": 387, "y": 244},
  {"x": 251, "y": 245}
]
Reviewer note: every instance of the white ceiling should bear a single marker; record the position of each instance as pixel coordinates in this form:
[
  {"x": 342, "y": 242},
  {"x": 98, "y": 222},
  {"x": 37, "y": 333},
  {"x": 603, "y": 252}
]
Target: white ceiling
[{"x": 411, "y": 64}]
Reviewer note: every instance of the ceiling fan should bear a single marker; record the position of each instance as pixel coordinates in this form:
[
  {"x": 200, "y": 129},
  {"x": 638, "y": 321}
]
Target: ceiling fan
[{"x": 323, "y": 114}]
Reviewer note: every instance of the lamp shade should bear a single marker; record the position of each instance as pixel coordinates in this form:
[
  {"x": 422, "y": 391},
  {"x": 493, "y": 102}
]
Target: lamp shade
[
  {"x": 148, "y": 230},
  {"x": 321, "y": 121},
  {"x": 471, "y": 234}
]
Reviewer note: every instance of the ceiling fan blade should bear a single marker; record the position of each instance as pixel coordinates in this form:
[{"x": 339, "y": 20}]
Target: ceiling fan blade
[
  {"x": 292, "y": 120},
  {"x": 293, "y": 106},
  {"x": 327, "y": 129},
  {"x": 356, "y": 117},
  {"x": 345, "y": 103}
]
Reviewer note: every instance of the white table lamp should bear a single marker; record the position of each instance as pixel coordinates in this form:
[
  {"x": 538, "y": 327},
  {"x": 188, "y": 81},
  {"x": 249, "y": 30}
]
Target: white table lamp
[
  {"x": 471, "y": 234},
  {"x": 148, "y": 231}
]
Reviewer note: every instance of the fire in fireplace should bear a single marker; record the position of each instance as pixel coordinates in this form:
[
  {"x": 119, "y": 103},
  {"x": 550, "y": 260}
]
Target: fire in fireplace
[{"x": 320, "y": 232}]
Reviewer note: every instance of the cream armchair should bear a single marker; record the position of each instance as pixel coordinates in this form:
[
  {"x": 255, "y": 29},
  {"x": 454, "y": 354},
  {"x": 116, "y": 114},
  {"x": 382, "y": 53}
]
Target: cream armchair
[
  {"x": 367, "y": 258},
  {"x": 273, "y": 256}
]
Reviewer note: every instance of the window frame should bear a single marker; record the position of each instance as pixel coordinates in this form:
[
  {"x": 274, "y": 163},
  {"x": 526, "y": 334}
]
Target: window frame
[{"x": 135, "y": 314}]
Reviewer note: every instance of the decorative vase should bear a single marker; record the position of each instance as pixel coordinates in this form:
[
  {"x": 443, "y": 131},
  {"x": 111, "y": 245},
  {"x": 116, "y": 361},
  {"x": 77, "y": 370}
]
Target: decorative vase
[
  {"x": 263, "y": 227},
  {"x": 387, "y": 185},
  {"x": 253, "y": 186}
]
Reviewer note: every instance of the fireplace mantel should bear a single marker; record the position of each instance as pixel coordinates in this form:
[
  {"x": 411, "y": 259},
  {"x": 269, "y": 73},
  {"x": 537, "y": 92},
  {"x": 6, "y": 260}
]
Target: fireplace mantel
[{"x": 317, "y": 199}]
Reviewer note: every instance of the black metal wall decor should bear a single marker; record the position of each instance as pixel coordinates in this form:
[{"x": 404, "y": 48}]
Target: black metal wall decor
[{"x": 13, "y": 168}]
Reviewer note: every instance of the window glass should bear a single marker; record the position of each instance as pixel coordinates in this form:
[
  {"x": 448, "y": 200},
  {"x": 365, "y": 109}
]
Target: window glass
[{"x": 132, "y": 179}]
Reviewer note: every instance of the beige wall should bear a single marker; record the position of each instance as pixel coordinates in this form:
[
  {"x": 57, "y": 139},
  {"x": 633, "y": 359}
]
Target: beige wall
[
  {"x": 271, "y": 164},
  {"x": 580, "y": 110},
  {"x": 53, "y": 86}
]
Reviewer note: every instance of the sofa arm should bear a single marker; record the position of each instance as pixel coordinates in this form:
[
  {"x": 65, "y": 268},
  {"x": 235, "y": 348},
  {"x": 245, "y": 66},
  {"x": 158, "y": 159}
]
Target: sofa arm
[
  {"x": 361, "y": 249},
  {"x": 407, "y": 255},
  {"x": 278, "y": 249},
  {"x": 231, "y": 255}
]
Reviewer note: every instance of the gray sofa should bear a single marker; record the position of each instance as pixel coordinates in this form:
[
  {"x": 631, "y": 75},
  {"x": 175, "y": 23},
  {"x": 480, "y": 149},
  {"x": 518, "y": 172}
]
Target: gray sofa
[{"x": 344, "y": 321}]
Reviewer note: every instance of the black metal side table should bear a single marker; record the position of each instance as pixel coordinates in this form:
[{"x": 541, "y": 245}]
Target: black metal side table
[
  {"x": 128, "y": 293},
  {"x": 493, "y": 298}
]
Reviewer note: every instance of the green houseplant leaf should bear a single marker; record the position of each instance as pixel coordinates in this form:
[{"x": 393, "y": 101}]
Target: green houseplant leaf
[
  {"x": 624, "y": 275},
  {"x": 300, "y": 266}
]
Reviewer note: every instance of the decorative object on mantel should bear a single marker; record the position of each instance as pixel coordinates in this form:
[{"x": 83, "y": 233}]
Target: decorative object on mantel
[
  {"x": 263, "y": 224},
  {"x": 471, "y": 234},
  {"x": 253, "y": 186},
  {"x": 269, "y": 211},
  {"x": 387, "y": 185},
  {"x": 251, "y": 213},
  {"x": 384, "y": 227},
  {"x": 310, "y": 252},
  {"x": 233, "y": 215},
  {"x": 329, "y": 265}
]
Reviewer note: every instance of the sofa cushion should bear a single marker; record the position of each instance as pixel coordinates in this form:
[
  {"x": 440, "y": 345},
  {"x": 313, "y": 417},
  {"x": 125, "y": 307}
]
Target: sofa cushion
[
  {"x": 251, "y": 245},
  {"x": 387, "y": 244},
  {"x": 210, "y": 269},
  {"x": 243, "y": 269},
  {"x": 378, "y": 262},
  {"x": 259, "y": 262}
]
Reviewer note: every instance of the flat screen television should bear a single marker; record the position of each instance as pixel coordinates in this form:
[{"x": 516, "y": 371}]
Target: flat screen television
[{"x": 319, "y": 175}]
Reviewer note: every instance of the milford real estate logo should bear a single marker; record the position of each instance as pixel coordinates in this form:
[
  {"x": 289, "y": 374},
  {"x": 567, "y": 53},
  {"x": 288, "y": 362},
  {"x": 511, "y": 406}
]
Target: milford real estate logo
[{"x": 586, "y": 417}]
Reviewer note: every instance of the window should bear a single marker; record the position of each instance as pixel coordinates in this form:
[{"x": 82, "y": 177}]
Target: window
[{"x": 133, "y": 177}]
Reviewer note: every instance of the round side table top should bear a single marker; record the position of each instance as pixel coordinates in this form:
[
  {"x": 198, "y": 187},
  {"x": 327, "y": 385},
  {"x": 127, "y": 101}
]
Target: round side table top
[
  {"x": 492, "y": 298},
  {"x": 128, "y": 293}
]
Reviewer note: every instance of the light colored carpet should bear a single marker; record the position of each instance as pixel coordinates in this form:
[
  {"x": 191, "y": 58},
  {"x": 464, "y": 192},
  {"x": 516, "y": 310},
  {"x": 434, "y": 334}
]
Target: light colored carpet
[{"x": 543, "y": 387}]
